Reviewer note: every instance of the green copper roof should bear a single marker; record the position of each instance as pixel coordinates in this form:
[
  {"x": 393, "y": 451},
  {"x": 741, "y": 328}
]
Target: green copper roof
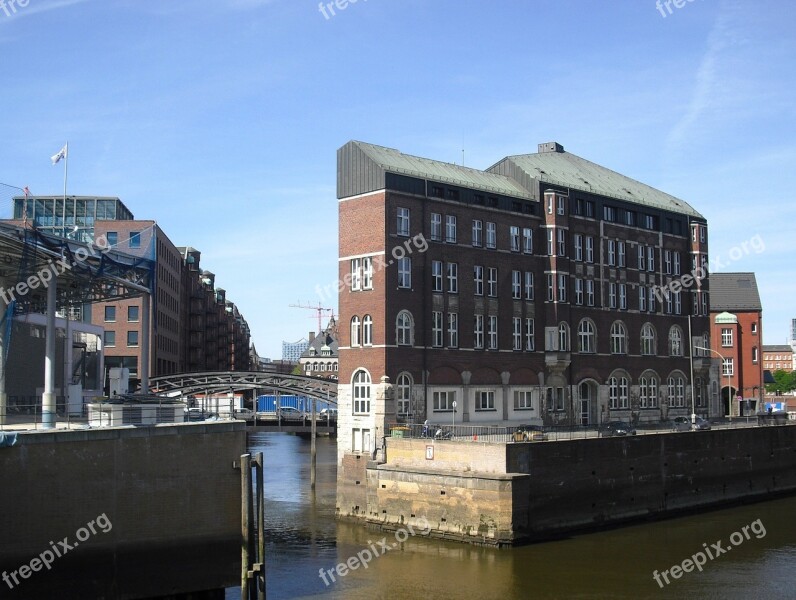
[{"x": 566, "y": 169}]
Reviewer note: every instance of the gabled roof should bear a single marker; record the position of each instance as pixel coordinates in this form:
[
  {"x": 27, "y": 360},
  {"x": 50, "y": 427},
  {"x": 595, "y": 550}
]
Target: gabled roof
[
  {"x": 734, "y": 292},
  {"x": 395, "y": 161},
  {"x": 557, "y": 167}
]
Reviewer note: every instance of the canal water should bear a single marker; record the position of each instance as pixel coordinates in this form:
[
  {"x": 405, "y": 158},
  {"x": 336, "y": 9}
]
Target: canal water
[{"x": 303, "y": 537}]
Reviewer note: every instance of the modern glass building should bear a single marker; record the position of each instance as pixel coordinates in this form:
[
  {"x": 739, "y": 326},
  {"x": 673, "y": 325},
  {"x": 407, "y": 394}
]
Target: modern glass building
[{"x": 72, "y": 217}]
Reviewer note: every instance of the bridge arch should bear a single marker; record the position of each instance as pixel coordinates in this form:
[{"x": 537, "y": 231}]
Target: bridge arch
[{"x": 194, "y": 383}]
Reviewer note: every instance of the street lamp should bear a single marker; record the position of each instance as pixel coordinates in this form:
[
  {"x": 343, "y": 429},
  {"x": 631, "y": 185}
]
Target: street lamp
[{"x": 729, "y": 381}]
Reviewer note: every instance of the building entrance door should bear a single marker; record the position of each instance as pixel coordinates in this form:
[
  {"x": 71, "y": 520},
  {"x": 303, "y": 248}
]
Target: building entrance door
[{"x": 585, "y": 403}]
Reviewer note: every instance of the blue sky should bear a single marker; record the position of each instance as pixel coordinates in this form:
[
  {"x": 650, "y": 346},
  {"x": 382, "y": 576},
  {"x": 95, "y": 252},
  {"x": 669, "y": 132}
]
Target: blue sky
[{"x": 220, "y": 119}]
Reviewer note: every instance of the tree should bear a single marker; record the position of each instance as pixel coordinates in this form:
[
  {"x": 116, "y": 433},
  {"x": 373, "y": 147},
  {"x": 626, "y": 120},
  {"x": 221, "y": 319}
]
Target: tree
[
  {"x": 783, "y": 382},
  {"x": 297, "y": 370}
]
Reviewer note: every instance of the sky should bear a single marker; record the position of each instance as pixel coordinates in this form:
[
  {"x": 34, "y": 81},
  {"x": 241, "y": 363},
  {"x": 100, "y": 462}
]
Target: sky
[{"x": 220, "y": 119}]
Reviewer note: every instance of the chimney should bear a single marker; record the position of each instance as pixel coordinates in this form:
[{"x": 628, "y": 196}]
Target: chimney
[{"x": 312, "y": 336}]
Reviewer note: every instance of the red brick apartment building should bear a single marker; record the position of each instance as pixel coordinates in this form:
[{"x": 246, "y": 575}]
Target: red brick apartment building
[
  {"x": 545, "y": 289},
  {"x": 736, "y": 317}
]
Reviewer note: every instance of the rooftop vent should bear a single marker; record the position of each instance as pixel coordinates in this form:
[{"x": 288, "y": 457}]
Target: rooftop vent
[{"x": 550, "y": 147}]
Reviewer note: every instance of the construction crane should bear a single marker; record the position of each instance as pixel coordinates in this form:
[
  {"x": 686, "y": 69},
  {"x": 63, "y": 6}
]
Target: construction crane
[{"x": 321, "y": 310}]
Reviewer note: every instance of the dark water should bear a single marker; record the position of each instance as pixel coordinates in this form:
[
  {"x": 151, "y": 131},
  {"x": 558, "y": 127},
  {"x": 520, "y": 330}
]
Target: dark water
[{"x": 304, "y": 537}]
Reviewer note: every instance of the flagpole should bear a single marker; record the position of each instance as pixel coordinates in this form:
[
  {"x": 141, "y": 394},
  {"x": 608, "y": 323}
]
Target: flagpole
[{"x": 66, "y": 168}]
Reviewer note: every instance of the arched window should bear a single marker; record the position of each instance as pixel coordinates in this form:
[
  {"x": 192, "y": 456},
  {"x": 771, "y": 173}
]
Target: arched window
[
  {"x": 618, "y": 396},
  {"x": 404, "y": 328},
  {"x": 618, "y": 338},
  {"x": 361, "y": 384},
  {"x": 367, "y": 330},
  {"x": 648, "y": 345},
  {"x": 403, "y": 394},
  {"x": 676, "y": 391},
  {"x": 675, "y": 341},
  {"x": 563, "y": 337},
  {"x": 586, "y": 337},
  {"x": 648, "y": 391},
  {"x": 355, "y": 325}
]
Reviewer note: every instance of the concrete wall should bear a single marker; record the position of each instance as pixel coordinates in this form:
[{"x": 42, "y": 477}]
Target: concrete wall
[
  {"x": 508, "y": 493},
  {"x": 158, "y": 486}
]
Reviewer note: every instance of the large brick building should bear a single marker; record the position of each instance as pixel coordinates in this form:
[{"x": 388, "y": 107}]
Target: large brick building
[
  {"x": 736, "y": 316},
  {"x": 544, "y": 289}
]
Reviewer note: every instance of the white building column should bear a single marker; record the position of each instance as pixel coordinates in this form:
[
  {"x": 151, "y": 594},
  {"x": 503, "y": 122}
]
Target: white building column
[
  {"x": 48, "y": 397},
  {"x": 145, "y": 325}
]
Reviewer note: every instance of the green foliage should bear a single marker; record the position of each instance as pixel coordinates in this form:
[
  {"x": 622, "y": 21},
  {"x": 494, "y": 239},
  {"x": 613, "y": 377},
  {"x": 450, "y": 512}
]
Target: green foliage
[
  {"x": 297, "y": 370},
  {"x": 783, "y": 382}
]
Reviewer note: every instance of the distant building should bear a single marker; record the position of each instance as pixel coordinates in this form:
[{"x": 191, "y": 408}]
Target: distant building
[
  {"x": 779, "y": 358},
  {"x": 321, "y": 358},
  {"x": 291, "y": 352},
  {"x": 736, "y": 316}
]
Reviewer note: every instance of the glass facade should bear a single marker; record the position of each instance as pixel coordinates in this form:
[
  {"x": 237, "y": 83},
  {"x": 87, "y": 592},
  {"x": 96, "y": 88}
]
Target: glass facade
[{"x": 72, "y": 218}]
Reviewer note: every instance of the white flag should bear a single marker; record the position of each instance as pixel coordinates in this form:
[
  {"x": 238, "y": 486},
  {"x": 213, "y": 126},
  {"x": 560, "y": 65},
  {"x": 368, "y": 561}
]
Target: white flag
[{"x": 61, "y": 154}]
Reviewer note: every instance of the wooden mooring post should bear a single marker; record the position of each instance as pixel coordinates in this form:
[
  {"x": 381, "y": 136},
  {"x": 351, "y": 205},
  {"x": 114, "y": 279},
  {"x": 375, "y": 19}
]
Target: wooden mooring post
[{"x": 252, "y": 574}]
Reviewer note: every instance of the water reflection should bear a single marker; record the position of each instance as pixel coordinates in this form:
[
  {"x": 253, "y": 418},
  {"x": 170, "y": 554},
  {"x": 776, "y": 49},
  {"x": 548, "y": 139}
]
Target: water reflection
[{"x": 303, "y": 537}]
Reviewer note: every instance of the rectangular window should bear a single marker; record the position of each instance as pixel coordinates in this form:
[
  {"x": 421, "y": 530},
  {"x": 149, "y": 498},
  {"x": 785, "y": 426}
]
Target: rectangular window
[
  {"x": 642, "y": 298},
  {"x": 611, "y": 253},
  {"x": 578, "y": 240},
  {"x": 611, "y": 295},
  {"x": 562, "y": 287},
  {"x": 650, "y": 259},
  {"x": 132, "y": 314},
  {"x": 491, "y": 235},
  {"x": 529, "y": 335},
  {"x": 676, "y": 257},
  {"x": 551, "y": 294},
  {"x": 621, "y": 260},
  {"x": 726, "y": 338},
  {"x": 453, "y": 330},
  {"x": 667, "y": 262},
  {"x": 516, "y": 285},
  {"x": 623, "y": 296},
  {"x": 589, "y": 292},
  {"x": 132, "y": 339},
  {"x": 443, "y": 401},
  {"x": 110, "y": 314},
  {"x": 436, "y": 329},
  {"x": 527, "y": 240},
  {"x": 562, "y": 242},
  {"x": 642, "y": 258},
  {"x": 529, "y": 285},
  {"x": 493, "y": 332},
  {"x": 450, "y": 229},
  {"x": 112, "y": 237},
  {"x": 486, "y": 400},
  {"x": 492, "y": 282},
  {"x": 578, "y": 291},
  {"x": 609, "y": 213},
  {"x": 367, "y": 273},
  {"x": 478, "y": 228},
  {"x": 651, "y": 299},
  {"x": 678, "y": 303},
  {"x": 589, "y": 249},
  {"x": 135, "y": 239},
  {"x": 668, "y": 295},
  {"x": 728, "y": 367},
  {"x": 561, "y": 201},
  {"x": 478, "y": 332},
  {"x": 453, "y": 278},
  {"x": 402, "y": 225},
  {"x": 523, "y": 400},
  {"x": 551, "y": 242},
  {"x": 436, "y": 227},
  {"x": 356, "y": 274},
  {"x": 514, "y": 236},
  {"x": 590, "y": 208},
  {"x": 703, "y": 233},
  {"x": 405, "y": 272},
  {"x": 110, "y": 338},
  {"x": 478, "y": 280},
  {"x": 436, "y": 275},
  {"x": 516, "y": 333}
]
